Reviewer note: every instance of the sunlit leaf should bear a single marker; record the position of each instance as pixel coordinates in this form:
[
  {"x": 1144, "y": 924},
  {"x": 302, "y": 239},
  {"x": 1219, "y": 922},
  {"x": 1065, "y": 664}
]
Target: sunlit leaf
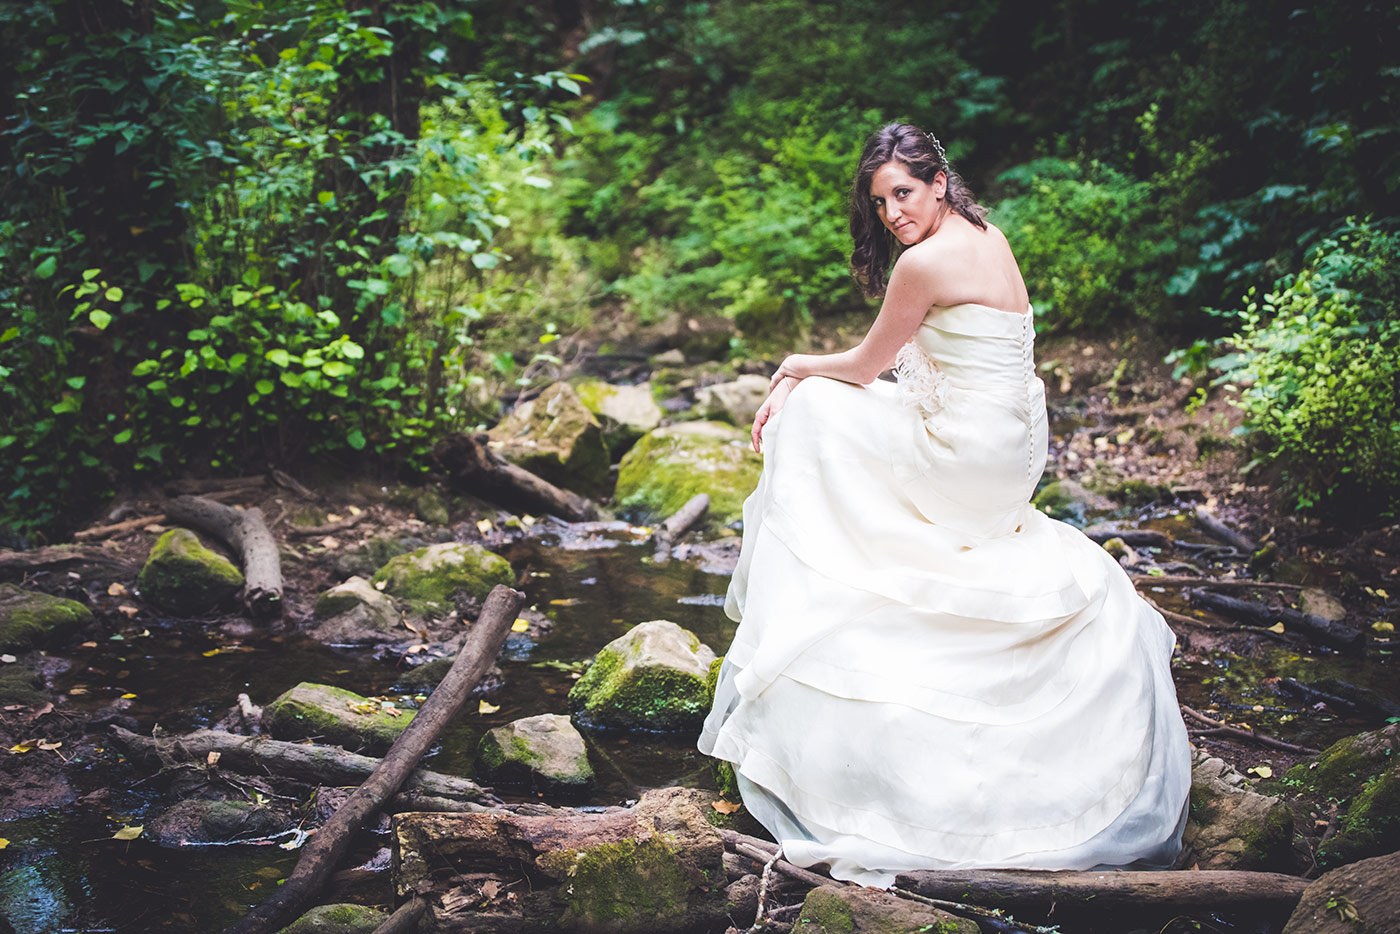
[
  {"x": 129, "y": 833},
  {"x": 1276, "y": 627},
  {"x": 115, "y": 590},
  {"x": 484, "y": 526},
  {"x": 483, "y": 707},
  {"x": 520, "y": 625},
  {"x": 725, "y": 807}
]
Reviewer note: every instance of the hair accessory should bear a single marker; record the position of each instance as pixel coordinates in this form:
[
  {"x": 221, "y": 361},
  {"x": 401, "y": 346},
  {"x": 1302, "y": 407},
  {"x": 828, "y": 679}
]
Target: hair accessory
[{"x": 937, "y": 147}]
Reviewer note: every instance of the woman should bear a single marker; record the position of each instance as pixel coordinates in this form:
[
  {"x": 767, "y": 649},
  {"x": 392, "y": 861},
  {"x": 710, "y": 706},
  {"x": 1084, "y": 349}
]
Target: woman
[{"x": 930, "y": 673}]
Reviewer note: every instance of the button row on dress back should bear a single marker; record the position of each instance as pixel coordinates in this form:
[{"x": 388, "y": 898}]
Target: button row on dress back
[{"x": 1027, "y": 373}]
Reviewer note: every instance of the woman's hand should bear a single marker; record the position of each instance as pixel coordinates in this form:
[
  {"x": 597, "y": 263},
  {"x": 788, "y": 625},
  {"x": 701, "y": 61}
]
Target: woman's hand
[
  {"x": 771, "y": 406},
  {"x": 797, "y": 366}
]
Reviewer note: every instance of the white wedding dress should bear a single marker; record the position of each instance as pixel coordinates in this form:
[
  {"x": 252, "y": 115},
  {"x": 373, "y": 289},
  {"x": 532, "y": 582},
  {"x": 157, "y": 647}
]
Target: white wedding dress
[{"x": 929, "y": 673}]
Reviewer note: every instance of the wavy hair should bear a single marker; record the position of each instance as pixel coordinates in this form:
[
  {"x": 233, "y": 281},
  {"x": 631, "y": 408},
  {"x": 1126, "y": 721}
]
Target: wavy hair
[{"x": 923, "y": 157}]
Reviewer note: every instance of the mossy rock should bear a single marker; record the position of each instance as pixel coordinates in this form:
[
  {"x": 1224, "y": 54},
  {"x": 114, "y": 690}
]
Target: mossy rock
[
  {"x": 1363, "y": 773},
  {"x": 430, "y": 507},
  {"x": 1345, "y": 767},
  {"x": 554, "y": 436},
  {"x": 345, "y": 918},
  {"x": 29, "y": 619},
  {"x": 1371, "y": 824},
  {"x": 670, "y": 465},
  {"x": 723, "y": 770},
  {"x": 653, "y": 678},
  {"x": 430, "y": 575},
  {"x": 544, "y": 752},
  {"x": 1067, "y": 499},
  {"x": 624, "y": 412},
  {"x": 1230, "y": 826},
  {"x": 200, "y": 821},
  {"x": 182, "y": 576},
  {"x": 357, "y": 592},
  {"x": 736, "y": 401},
  {"x": 1362, "y": 898},
  {"x": 836, "y": 909},
  {"x": 334, "y": 715},
  {"x": 20, "y": 685}
]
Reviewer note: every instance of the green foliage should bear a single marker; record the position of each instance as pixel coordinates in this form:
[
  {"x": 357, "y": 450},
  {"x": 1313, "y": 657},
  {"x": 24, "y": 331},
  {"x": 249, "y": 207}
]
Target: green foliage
[{"x": 1318, "y": 365}]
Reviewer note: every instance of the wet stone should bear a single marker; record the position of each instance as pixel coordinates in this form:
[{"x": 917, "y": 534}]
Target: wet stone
[
  {"x": 430, "y": 575},
  {"x": 200, "y": 821},
  {"x": 670, "y": 465},
  {"x": 556, "y": 437},
  {"x": 29, "y": 619},
  {"x": 1232, "y": 826},
  {"x": 334, "y": 715},
  {"x": 625, "y": 412},
  {"x": 736, "y": 401},
  {"x": 354, "y": 613},
  {"x": 182, "y": 576},
  {"x": 655, "y": 677},
  {"x": 345, "y": 918},
  {"x": 544, "y": 752}
]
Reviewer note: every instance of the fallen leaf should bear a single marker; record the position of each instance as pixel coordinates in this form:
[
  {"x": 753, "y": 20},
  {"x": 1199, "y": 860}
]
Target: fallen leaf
[
  {"x": 213, "y": 758},
  {"x": 332, "y": 517},
  {"x": 725, "y": 807},
  {"x": 4, "y": 843},
  {"x": 115, "y": 590},
  {"x": 1382, "y": 594},
  {"x": 155, "y": 528},
  {"x": 1383, "y": 626},
  {"x": 129, "y": 833},
  {"x": 1276, "y": 627},
  {"x": 355, "y": 510},
  {"x": 128, "y": 696},
  {"x": 520, "y": 625},
  {"x": 566, "y": 601},
  {"x": 89, "y": 645},
  {"x": 380, "y": 585},
  {"x": 77, "y": 690},
  {"x": 128, "y": 610},
  {"x": 48, "y": 707},
  {"x": 490, "y": 888},
  {"x": 329, "y": 543},
  {"x": 484, "y": 526},
  {"x": 48, "y": 746},
  {"x": 27, "y": 745},
  {"x": 8, "y": 659},
  {"x": 484, "y": 707},
  {"x": 527, "y": 520}
]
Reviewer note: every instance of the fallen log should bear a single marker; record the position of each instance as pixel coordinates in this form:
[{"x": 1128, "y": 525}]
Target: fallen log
[
  {"x": 678, "y": 524},
  {"x": 1343, "y": 696},
  {"x": 405, "y": 919},
  {"x": 1212, "y": 526},
  {"x": 1320, "y": 628},
  {"x": 1137, "y": 538},
  {"x": 89, "y": 562},
  {"x": 210, "y": 485},
  {"x": 323, "y": 851},
  {"x": 116, "y": 528},
  {"x": 470, "y": 463},
  {"x": 324, "y": 765},
  {"x": 1039, "y": 891},
  {"x": 247, "y": 533}
]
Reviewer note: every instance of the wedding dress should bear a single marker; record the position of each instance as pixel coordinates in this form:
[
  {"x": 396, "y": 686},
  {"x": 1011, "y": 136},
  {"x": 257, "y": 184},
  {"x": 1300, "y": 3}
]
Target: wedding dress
[{"x": 929, "y": 673}]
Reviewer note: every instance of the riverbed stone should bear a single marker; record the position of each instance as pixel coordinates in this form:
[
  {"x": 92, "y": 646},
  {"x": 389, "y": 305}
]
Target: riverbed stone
[
  {"x": 670, "y": 465},
  {"x": 182, "y": 576},
  {"x": 545, "y": 751},
  {"x": 736, "y": 401},
  {"x": 555, "y": 437},
  {"x": 655, "y": 677},
  {"x": 21, "y": 685},
  {"x": 355, "y": 613},
  {"x": 430, "y": 575},
  {"x": 341, "y": 918},
  {"x": 624, "y": 412},
  {"x": 334, "y": 715},
  {"x": 200, "y": 821},
  {"x": 1363, "y": 773},
  {"x": 1231, "y": 826},
  {"x": 1321, "y": 603},
  {"x": 1069, "y": 499},
  {"x": 29, "y": 619},
  {"x": 1363, "y": 898},
  {"x": 847, "y": 909}
]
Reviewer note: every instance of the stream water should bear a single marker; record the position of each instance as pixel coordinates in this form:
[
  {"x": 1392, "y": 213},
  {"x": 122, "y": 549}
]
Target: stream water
[{"x": 62, "y": 871}]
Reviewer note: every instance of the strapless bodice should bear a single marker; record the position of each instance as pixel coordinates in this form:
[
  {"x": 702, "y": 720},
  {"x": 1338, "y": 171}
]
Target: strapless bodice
[{"x": 977, "y": 347}]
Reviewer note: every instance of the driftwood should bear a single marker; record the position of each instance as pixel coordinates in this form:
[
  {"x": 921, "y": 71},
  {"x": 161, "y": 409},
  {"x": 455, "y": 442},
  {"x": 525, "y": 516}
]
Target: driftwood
[
  {"x": 319, "y": 856},
  {"x": 1219, "y": 728},
  {"x": 247, "y": 533},
  {"x": 1317, "y": 627},
  {"x": 1212, "y": 526},
  {"x": 1343, "y": 696},
  {"x": 678, "y": 524},
  {"x": 324, "y": 765},
  {"x": 471, "y": 464}
]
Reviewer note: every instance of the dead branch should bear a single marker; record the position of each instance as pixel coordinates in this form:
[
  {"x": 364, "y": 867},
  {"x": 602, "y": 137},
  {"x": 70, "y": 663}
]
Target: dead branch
[
  {"x": 678, "y": 524},
  {"x": 1261, "y": 614},
  {"x": 472, "y": 466},
  {"x": 319, "y": 856},
  {"x": 116, "y": 528},
  {"x": 245, "y": 531},
  {"x": 1219, "y": 728},
  {"x": 1212, "y": 526},
  {"x": 1232, "y": 584},
  {"x": 405, "y": 919},
  {"x": 330, "y": 528}
]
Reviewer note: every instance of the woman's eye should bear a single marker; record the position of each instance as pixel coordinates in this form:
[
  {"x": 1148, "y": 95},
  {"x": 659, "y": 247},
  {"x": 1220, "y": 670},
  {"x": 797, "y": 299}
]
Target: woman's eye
[{"x": 902, "y": 193}]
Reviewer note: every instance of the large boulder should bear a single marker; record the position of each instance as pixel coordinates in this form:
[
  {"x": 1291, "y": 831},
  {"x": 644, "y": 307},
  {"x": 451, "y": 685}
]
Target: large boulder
[
  {"x": 334, "y": 715},
  {"x": 1362, "y": 772},
  {"x": 343, "y": 918},
  {"x": 181, "y": 576},
  {"x": 429, "y": 576},
  {"x": 1230, "y": 826},
  {"x": 354, "y": 613},
  {"x": 1363, "y": 898},
  {"x": 670, "y": 465},
  {"x": 554, "y": 436},
  {"x": 656, "y": 677},
  {"x": 625, "y": 412},
  {"x": 848, "y": 909},
  {"x": 199, "y": 821},
  {"x": 545, "y": 752},
  {"x": 34, "y": 620},
  {"x": 736, "y": 401}
]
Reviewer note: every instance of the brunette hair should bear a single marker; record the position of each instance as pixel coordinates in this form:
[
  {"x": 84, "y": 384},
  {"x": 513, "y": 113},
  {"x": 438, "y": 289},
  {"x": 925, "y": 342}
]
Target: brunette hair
[{"x": 923, "y": 157}]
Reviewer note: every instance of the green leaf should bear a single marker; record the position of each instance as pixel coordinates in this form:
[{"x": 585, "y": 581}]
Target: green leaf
[
  {"x": 325, "y": 197},
  {"x": 291, "y": 379},
  {"x": 47, "y": 268},
  {"x": 77, "y": 382},
  {"x": 145, "y": 368},
  {"x": 570, "y": 85},
  {"x": 240, "y": 297},
  {"x": 351, "y": 350},
  {"x": 99, "y": 318},
  {"x": 485, "y": 260},
  {"x": 113, "y": 294},
  {"x": 356, "y": 439},
  {"x": 66, "y": 405},
  {"x": 265, "y": 386},
  {"x": 122, "y": 437},
  {"x": 336, "y": 369},
  {"x": 90, "y": 274},
  {"x": 279, "y": 357},
  {"x": 9, "y": 335}
]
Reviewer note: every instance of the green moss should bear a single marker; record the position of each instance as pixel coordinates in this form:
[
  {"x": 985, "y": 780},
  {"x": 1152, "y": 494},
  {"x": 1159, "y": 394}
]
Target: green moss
[
  {"x": 621, "y": 881},
  {"x": 19, "y": 685},
  {"x": 1340, "y": 771},
  {"x": 670, "y": 465},
  {"x": 333, "y": 715},
  {"x": 825, "y": 912},
  {"x": 343, "y": 918},
  {"x": 29, "y": 620},
  {"x": 432, "y": 574},
  {"x": 594, "y": 394},
  {"x": 430, "y": 507},
  {"x": 1268, "y": 843},
  {"x": 556, "y": 437},
  {"x": 611, "y": 693},
  {"x": 1371, "y": 825},
  {"x": 182, "y": 576}
]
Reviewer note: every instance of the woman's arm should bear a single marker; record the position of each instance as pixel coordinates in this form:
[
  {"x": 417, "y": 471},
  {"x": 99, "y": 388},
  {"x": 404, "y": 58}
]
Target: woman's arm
[
  {"x": 776, "y": 397},
  {"x": 912, "y": 291}
]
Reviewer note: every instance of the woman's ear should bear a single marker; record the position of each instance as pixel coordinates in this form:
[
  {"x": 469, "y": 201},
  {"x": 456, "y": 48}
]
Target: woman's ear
[{"x": 940, "y": 184}]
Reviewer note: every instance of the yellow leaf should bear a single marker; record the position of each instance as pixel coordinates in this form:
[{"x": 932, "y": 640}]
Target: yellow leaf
[
  {"x": 380, "y": 585},
  {"x": 128, "y": 610},
  {"x": 4, "y": 843},
  {"x": 527, "y": 520},
  {"x": 212, "y": 652},
  {"x": 1381, "y": 625},
  {"x": 332, "y": 517},
  {"x": 483, "y": 707},
  {"x": 355, "y": 510},
  {"x": 27, "y": 745},
  {"x": 725, "y": 807},
  {"x": 1276, "y": 627},
  {"x": 128, "y": 696},
  {"x": 115, "y": 590},
  {"x": 89, "y": 645},
  {"x": 213, "y": 758},
  {"x": 641, "y": 530},
  {"x": 75, "y": 691},
  {"x": 484, "y": 526},
  {"x": 520, "y": 625},
  {"x": 1382, "y": 594},
  {"x": 129, "y": 833},
  {"x": 566, "y": 601}
]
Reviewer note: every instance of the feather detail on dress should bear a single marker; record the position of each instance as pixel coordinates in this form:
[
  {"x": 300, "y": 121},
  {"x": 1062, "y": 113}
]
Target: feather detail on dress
[{"x": 922, "y": 384}]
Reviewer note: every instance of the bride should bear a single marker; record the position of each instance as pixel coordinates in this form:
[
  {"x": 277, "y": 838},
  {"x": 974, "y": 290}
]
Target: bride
[{"x": 929, "y": 673}]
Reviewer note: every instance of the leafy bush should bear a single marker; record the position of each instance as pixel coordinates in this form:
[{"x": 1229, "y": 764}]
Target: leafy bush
[{"x": 1317, "y": 363}]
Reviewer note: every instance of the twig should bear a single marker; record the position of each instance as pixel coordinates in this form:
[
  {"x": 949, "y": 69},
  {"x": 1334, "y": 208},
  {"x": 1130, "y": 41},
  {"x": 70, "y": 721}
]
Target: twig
[
  {"x": 300, "y": 531},
  {"x": 1233, "y": 584},
  {"x": 107, "y": 531},
  {"x": 1219, "y": 728},
  {"x": 764, "y": 880},
  {"x": 678, "y": 524}
]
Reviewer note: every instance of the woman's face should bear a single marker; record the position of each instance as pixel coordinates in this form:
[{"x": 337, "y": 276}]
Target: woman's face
[{"x": 909, "y": 208}]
